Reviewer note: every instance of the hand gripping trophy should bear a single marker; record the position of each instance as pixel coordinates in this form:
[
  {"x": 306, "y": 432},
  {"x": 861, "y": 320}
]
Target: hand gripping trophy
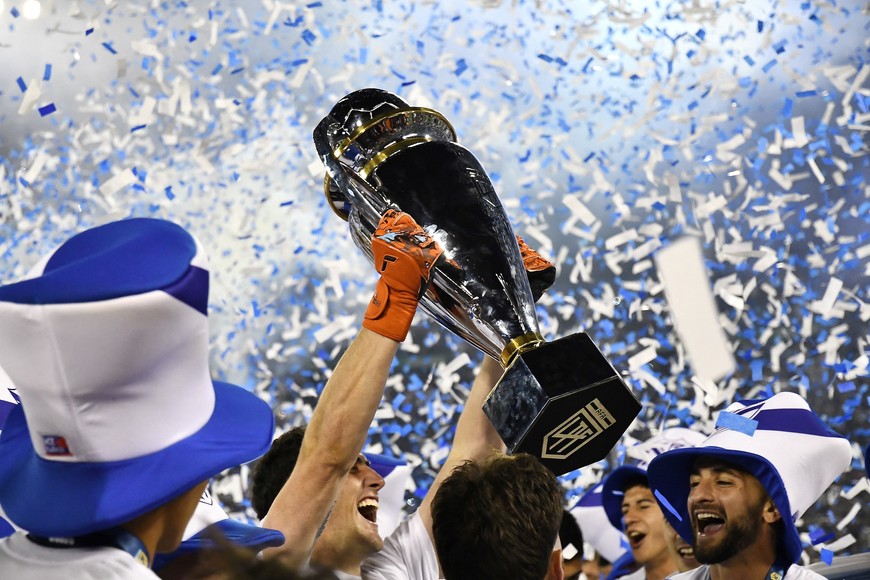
[{"x": 561, "y": 401}]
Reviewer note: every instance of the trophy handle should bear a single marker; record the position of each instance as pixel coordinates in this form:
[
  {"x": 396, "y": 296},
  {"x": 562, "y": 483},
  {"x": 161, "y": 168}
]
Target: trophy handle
[{"x": 350, "y": 187}]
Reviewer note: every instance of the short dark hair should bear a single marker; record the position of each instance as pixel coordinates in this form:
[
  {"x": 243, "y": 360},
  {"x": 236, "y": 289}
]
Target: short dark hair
[
  {"x": 497, "y": 519},
  {"x": 635, "y": 481},
  {"x": 273, "y": 470}
]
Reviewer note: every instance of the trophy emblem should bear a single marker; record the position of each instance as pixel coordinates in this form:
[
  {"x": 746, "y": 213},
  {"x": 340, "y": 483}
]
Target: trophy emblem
[{"x": 561, "y": 401}]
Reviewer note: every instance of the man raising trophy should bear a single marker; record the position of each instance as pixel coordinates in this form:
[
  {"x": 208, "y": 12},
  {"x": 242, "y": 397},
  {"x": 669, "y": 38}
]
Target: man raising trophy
[{"x": 561, "y": 401}]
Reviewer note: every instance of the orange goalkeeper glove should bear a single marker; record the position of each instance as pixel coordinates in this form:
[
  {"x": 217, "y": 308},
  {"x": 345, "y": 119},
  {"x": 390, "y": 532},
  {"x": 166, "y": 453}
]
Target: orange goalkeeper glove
[
  {"x": 541, "y": 272},
  {"x": 404, "y": 256}
]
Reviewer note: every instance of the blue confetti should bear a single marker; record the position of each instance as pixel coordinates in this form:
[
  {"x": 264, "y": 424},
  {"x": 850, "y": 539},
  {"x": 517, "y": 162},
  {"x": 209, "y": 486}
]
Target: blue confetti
[
  {"x": 728, "y": 420},
  {"x": 460, "y": 67},
  {"x": 803, "y": 94},
  {"x": 827, "y": 556},
  {"x": 309, "y": 37},
  {"x": 819, "y": 536},
  {"x": 108, "y": 46},
  {"x": 47, "y": 110},
  {"x": 21, "y": 84},
  {"x": 770, "y": 64},
  {"x": 46, "y": 75},
  {"x": 663, "y": 500},
  {"x": 846, "y": 387}
]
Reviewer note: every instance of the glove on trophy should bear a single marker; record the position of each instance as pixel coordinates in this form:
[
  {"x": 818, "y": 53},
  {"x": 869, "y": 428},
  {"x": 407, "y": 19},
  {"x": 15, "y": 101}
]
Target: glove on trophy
[
  {"x": 541, "y": 272},
  {"x": 404, "y": 255}
]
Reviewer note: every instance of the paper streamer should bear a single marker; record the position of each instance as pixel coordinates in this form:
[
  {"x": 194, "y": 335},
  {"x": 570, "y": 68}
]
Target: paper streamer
[{"x": 680, "y": 267}]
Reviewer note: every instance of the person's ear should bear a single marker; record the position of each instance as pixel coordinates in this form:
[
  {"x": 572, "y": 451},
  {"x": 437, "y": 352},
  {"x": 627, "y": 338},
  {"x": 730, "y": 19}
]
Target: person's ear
[
  {"x": 769, "y": 512},
  {"x": 554, "y": 568}
]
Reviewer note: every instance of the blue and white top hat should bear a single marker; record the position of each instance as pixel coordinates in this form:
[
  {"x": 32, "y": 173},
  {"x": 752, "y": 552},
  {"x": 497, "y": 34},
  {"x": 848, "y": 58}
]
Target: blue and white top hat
[
  {"x": 609, "y": 541},
  {"x": 8, "y": 398},
  {"x": 8, "y": 401},
  {"x": 210, "y": 518},
  {"x": 642, "y": 453},
  {"x": 780, "y": 441},
  {"x": 391, "y": 497},
  {"x": 107, "y": 344}
]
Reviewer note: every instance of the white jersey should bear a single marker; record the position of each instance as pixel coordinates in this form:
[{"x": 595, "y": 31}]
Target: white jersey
[
  {"x": 24, "y": 560},
  {"x": 639, "y": 574},
  {"x": 408, "y": 553},
  {"x": 794, "y": 572}
]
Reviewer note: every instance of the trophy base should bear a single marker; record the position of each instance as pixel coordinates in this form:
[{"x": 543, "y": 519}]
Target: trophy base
[{"x": 562, "y": 402}]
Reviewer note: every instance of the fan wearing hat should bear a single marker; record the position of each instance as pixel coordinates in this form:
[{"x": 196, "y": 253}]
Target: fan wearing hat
[
  {"x": 631, "y": 507},
  {"x": 120, "y": 424},
  {"x": 736, "y": 496}
]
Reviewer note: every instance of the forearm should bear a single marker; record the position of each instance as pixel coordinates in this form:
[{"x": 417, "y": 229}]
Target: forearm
[
  {"x": 475, "y": 438},
  {"x": 339, "y": 426}
]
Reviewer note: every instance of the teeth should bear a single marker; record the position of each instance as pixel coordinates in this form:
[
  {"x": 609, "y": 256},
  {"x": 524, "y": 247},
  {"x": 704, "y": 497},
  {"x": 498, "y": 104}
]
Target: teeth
[
  {"x": 368, "y": 503},
  {"x": 706, "y": 516},
  {"x": 634, "y": 534}
]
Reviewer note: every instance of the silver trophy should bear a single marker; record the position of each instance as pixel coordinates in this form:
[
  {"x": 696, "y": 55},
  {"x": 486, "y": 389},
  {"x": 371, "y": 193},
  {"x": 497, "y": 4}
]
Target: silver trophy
[{"x": 561, "y": 401}]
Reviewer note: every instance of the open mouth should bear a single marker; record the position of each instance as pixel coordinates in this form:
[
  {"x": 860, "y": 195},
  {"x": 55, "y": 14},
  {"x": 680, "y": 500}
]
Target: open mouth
[
  {"x": 708, "y": 523},
  {"x": 686, "y": 552},
  {"x": 368, "y": 509},
  {"x": 635, "y": 539}
]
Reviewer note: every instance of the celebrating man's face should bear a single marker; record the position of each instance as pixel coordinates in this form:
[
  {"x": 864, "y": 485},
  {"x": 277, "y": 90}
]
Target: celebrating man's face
[
  {"x": 726, "y": 507},
  {"x": 644, "y": 525}
]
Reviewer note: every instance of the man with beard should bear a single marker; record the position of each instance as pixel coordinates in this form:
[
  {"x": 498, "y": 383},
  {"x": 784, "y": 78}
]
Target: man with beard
[
  {"x": 736, "y": 496},
  {"x": 630, "y": 506}
]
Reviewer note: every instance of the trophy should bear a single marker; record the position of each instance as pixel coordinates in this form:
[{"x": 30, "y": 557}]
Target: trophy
[{"x": 561, "y": 401}]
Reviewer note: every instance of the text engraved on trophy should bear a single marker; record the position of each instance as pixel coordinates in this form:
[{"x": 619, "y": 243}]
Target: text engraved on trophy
[{"x": 576, "y": 431}]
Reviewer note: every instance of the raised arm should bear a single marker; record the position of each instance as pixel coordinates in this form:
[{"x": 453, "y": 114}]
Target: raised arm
[
  {"x": 475, "y": 437},
  {"x": 404, "y": 256}
]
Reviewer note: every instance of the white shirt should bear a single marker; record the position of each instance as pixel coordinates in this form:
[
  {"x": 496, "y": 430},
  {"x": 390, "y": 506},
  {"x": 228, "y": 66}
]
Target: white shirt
[
  {"x": 22, "y": 559},
  {"x": 794, "y": 572},
  {"x": 408, "y": 553},
  {"x": 639, "y": 574}
]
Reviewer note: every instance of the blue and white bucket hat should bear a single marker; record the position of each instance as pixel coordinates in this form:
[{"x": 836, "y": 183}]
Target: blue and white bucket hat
[
  {"x": 642, "y": 453},
  {"x": 598, "y": 532},
  {"x": 107, "y": 344},
  {"x": 208, "y": 519},
  {"x": 780, "y": 441}
]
